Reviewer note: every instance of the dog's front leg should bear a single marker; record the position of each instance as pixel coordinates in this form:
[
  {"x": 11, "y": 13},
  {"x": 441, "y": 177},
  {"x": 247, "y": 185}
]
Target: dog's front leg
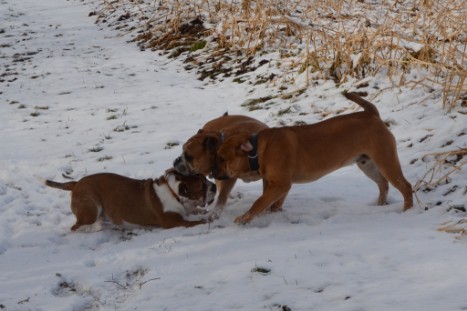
[{"x": 272, "y": 193}]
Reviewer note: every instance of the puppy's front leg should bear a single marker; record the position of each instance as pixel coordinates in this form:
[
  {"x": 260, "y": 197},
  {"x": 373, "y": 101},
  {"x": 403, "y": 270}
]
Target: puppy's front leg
[
  {"x": 171, "y": 220},
  {"x": 224, "y": 188},
  {"x": 271, "y": 194}
]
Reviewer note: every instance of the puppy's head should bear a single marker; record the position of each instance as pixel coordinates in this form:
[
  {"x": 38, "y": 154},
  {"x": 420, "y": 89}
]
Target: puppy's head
[
  {"x": 232, "y": 156},
  {"x": 193, "y": 190},
  {"x": 199, "y": 153}
]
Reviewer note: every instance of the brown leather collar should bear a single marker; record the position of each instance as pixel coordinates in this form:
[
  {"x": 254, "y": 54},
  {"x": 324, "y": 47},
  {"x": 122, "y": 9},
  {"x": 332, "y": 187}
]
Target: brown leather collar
[{"x": 164, "y": 180}]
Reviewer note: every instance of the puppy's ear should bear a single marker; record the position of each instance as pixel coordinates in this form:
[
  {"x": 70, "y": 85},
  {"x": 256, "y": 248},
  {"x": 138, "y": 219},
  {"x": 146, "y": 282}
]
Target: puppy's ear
[
  {"x": 246, "y": 146},
  {"x": 211, "y": 143}
]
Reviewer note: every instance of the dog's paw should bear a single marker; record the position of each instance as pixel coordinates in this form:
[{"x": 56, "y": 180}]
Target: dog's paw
[{"x": 244, "y": 219}]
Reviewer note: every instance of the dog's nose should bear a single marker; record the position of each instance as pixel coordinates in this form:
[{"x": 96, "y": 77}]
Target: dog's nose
[
  {"x": 179, "y": 166},
  {"x": 177, "y": 161}
]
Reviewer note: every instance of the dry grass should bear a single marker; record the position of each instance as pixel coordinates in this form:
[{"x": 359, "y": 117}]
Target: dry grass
[
  {"x": 445, "y": 164},
  {"x": 417, "y": 43}
]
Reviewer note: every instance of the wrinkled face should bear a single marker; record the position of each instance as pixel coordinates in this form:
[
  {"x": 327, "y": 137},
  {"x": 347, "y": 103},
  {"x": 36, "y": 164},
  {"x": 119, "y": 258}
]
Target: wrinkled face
[
  {"x": 193, "y": 190},
  {"x": 198, "y": 155},
  {"x": 232, "y": 158}
]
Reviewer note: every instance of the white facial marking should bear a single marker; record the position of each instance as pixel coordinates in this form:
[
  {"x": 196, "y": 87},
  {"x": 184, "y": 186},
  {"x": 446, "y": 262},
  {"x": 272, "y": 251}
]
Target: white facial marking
[{"x": 169, "y": 202}]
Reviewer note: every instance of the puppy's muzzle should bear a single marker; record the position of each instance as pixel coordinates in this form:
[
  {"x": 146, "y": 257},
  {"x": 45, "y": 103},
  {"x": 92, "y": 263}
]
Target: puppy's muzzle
[
  {"x": 181, "y": 167},
  {"x": 211, "y": 193}
]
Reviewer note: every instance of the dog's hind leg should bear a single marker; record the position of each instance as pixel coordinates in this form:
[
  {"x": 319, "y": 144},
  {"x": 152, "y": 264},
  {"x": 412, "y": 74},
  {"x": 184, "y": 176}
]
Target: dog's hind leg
[
  {"x": 389, "y": 166},
  {"x": 85, "y": 210},
  {"x": 371, "y": 171}
]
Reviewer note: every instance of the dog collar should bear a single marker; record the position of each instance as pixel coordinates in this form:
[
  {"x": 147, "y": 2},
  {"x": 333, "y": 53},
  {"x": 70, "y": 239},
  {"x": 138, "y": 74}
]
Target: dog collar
[
  {"x": 166, "y": 181},
  {"x": 253, "y": 154}
]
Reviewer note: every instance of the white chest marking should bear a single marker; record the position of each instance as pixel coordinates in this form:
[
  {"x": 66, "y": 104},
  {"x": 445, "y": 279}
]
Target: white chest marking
[{"x": 169, "y": 202}]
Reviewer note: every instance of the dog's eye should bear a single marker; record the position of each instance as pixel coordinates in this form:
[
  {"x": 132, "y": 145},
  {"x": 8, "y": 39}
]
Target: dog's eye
[{"x": 187, "y": 157}]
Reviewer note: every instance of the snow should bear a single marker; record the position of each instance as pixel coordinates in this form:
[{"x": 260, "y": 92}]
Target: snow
[{"x": 77, "y": 99}]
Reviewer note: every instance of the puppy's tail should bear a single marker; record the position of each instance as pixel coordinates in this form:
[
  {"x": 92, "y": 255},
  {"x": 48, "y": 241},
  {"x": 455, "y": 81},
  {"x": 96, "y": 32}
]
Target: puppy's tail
[
  {"x": 366, "y": 105},
  {"x": 64, "y": 186}
]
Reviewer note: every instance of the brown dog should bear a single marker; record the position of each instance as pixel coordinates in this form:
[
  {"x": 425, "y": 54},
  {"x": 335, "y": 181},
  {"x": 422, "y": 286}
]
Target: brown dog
[
  {"x": 199, "y": 152},
  {"x": 162, "y": 202},
  {"x": 300, "y": 154}
]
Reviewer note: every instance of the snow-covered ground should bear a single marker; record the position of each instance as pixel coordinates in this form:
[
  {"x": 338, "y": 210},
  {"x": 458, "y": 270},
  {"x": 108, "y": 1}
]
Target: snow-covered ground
[{"x": 77, "y": 99}]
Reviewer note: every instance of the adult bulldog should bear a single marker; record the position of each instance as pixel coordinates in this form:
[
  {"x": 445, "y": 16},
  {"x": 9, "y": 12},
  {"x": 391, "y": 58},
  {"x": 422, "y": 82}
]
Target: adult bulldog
[
  {"x": 199, "y": 152},
  {"x": 300, "y": 154}
]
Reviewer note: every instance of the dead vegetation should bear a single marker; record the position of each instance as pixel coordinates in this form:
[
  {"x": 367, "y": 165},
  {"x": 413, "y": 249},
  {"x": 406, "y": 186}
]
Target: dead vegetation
[
  {"x": 446, "y": 163},
  {"x": 417, "y": 43}
]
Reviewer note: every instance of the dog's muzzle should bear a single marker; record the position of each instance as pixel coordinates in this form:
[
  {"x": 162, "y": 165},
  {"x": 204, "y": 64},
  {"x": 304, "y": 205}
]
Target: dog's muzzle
[{"x": 181, "y": 167}]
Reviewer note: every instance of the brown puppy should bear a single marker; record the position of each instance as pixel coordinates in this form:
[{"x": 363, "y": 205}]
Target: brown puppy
[
  {"x": 300, "y": 154},
  {"x": 199, "y": 152},
  {"x": 162, "y": 202}
]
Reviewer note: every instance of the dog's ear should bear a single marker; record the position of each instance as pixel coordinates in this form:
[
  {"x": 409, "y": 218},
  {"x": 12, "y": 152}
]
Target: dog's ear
[
  {"x": 246, "y": 146},
  {"x": 211, "y": 143}
]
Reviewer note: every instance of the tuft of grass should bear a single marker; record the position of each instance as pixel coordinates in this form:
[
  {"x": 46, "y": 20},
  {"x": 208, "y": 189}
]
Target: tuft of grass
[
  {"x": 198, "y": 45},
  {"x": 122, "y": 128},
  {"x": 104, "y": 158},
  {"x": 239, "y": 80},
  {"x": 255, "y": 104},
  {"x": 284, "y": 111},
  {"x": 171, "y": 144},
  {"x": 262, "y": 270},
  {"x": 41, "y": 107},
  {"x": 96, "y": 149}
]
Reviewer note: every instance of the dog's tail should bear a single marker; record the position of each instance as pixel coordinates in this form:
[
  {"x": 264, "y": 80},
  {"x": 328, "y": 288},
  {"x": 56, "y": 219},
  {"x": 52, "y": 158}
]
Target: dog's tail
[
  {"x": 366, "y": 105},
  {"x": 64, "y": 186}
]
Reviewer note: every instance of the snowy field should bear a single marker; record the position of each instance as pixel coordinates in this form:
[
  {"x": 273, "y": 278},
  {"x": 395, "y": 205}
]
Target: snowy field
[{"x": 76, "y": 99}]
